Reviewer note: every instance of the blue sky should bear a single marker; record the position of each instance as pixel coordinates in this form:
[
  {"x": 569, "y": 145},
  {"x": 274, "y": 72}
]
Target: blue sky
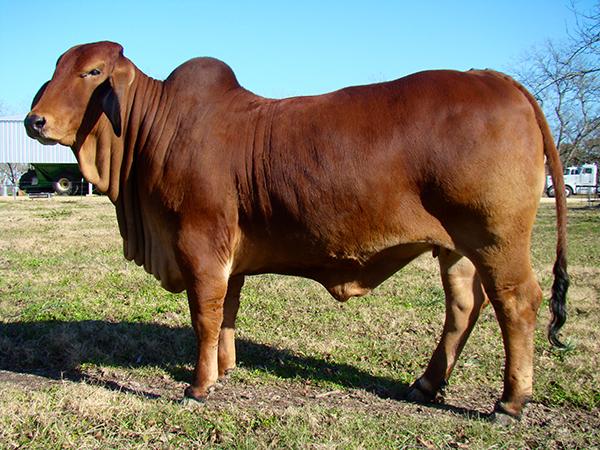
[{"x": 277, "y": 48}]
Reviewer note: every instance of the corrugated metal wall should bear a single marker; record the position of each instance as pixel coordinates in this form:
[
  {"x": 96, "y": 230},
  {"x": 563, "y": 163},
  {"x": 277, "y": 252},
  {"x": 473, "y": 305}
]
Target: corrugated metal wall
[{"x": 17, "y": 147}]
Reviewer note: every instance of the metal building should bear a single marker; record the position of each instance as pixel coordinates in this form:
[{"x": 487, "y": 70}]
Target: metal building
[{"x": 17, "y": 147}]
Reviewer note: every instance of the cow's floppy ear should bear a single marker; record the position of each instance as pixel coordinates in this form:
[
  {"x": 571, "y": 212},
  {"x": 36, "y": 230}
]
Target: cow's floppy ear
[
  {"x": 112, "y": 109},
  {"x": 119, "y": 80}
]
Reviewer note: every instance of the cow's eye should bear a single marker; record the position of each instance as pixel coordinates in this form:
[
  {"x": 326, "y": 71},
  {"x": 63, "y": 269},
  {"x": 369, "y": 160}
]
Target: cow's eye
[{"x": 91, "y": 73}]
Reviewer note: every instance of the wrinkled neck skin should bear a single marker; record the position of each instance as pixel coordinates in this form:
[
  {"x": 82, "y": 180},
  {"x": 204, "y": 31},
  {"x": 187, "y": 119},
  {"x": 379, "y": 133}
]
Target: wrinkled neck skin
[
  {"x": 109, "y": 161},
  {"x": 105, "y": 159}
]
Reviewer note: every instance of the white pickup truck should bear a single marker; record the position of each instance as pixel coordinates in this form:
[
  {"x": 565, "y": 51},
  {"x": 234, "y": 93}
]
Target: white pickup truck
[{"x": 578, "y": 180}]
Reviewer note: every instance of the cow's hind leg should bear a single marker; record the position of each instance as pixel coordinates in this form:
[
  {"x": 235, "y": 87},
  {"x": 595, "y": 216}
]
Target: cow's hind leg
[
  {"x": 516, "y": 297},
  {"x": 227, "y": 356},
  {"x": 464, "y": 300}
]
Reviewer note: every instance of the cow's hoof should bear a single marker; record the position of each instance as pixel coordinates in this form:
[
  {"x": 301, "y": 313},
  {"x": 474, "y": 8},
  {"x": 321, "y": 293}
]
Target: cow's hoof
[
  {"x": 191, "y": 398},
  {"x": 503, "y": 416},
  {"x": 417, "y": 394}
]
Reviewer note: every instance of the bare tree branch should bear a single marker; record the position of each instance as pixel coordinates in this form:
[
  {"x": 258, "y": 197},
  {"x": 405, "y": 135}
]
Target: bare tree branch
[
  {"x": 565, "y": 78},
  {"x": 10, "y": 173}
]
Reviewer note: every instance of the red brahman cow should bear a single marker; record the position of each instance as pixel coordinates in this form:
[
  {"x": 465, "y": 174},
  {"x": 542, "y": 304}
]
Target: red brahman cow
[{"x": 212, "y": 182}]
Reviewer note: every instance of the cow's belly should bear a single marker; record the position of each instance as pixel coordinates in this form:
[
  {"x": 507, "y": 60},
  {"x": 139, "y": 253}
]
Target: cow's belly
[{"x": 343, "y": 275}]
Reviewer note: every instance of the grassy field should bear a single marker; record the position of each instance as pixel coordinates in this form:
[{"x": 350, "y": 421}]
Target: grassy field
[{"x": 94, "y": 354}]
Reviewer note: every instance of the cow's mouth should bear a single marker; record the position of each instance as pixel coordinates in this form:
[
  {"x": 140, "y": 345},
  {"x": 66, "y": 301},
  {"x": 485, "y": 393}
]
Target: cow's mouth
[{"x": 46, "y": 141}]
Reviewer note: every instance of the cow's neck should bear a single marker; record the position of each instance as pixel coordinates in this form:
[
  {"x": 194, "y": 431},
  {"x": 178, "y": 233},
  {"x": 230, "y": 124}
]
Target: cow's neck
[{"x": 145, "y": 112}]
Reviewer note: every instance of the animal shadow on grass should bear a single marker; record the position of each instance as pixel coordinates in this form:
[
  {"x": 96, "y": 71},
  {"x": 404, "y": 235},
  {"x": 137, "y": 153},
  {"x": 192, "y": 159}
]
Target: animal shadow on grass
[{"x": 56, "y": 350}]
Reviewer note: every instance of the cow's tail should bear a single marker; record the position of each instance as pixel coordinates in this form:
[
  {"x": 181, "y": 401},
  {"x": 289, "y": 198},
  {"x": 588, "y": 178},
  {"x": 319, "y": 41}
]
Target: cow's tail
[{"x": 558, "y": 302}]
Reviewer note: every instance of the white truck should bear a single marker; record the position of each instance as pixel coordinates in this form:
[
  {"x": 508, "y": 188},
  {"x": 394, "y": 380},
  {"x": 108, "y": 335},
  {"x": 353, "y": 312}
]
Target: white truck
[{"x": 578, "y": 180}]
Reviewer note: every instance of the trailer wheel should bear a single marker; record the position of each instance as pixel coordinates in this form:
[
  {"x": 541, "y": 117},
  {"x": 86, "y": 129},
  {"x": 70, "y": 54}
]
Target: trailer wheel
[
  {"x": 64, "y": 186},
  {"x": 568, "y": 191}
]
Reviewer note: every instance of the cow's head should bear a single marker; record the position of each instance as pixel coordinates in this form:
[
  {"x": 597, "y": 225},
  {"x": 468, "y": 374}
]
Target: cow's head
[
  {"x": 85, "y": 93},
  {"x": 82, "y": 107}
]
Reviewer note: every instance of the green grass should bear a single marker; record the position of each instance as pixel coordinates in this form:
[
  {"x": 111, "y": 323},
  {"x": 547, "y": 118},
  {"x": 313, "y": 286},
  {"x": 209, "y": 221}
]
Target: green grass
[{"x": 95, "y": 354}]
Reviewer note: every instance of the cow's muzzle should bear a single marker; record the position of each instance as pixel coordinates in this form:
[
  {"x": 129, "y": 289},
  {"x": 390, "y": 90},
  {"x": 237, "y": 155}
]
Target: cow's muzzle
[{"x": 34, "y": 125}]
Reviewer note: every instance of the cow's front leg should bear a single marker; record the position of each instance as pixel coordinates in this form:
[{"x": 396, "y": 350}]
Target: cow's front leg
[
  {"x": 206, "y": 298},
  {"x": 227, "y": 360}
]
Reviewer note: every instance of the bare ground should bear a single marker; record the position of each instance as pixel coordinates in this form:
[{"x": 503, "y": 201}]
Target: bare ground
[{"x": 277, "y": 397}]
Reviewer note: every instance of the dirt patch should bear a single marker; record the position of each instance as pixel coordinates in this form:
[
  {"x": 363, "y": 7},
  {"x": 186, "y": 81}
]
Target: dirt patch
[{"x": 26, "y": 380}]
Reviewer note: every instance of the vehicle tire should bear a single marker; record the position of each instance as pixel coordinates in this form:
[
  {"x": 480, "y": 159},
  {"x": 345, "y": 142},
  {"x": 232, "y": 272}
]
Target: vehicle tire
[
  {"x": 550, "y": 191},
  {"x": 568, "y": 191},
  {"x": 64, "y": 186}
]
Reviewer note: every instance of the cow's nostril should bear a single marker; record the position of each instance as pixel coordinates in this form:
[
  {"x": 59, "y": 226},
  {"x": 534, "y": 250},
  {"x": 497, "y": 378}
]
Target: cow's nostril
[
  {"x": 35, "y": 123},
  {"x": 39, "y": 123}
]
